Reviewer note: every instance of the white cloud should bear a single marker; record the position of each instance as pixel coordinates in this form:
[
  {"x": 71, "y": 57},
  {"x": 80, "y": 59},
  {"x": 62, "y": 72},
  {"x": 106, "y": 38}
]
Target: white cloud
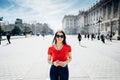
[{"x": 48, "y": 11}]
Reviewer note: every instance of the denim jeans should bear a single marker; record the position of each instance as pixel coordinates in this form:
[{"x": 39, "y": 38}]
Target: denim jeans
[{"x": 59, "y": 73}]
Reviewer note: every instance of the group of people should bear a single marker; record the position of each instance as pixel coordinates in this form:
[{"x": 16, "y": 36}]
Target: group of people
[
  {"x": 103, "y": 37},
  {"x": 59, "y": 55},
  {"x": 99, "y": 36}
]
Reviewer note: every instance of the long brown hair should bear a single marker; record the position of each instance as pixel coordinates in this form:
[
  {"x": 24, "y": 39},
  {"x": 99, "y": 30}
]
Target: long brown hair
[{"x": 64, "y": 38}]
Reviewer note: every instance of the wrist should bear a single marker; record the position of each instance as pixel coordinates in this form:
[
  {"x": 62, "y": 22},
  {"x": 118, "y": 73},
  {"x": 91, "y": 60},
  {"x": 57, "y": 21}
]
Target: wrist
[
  {"x": 67, "y": 61},
  {"x": 53, "y": 63}
]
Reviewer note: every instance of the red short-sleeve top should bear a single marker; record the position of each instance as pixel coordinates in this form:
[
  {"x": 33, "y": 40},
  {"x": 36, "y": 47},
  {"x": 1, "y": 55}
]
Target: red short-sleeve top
[{"x": 62, "y": 54}]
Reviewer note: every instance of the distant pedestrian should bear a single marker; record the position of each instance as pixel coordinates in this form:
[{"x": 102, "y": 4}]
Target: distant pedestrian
[
  {"x": 98, "y": 36},
  {"x": 85, "y": 35},
  {"x": 110, "y": 36},
  {"x": 59, "y": 55},
  {"x": 92, "y": 36},
  {"x": 79, "y": 38},
  {"x": 88, "y": 36},
  {"x": 8, "y": 37},
  {"x": 103, "y": 38}
]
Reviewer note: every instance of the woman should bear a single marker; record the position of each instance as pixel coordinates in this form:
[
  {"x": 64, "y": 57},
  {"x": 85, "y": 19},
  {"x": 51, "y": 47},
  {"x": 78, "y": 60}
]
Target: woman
[{"x": 59, "y": 55}]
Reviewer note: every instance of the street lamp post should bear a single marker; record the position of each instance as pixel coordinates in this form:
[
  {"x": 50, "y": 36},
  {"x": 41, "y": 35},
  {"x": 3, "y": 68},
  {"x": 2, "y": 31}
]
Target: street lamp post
[
  {"x": 99, "y": 21},
  {"x": 87, "y": 28},
  {"x": 111, "y": 32}
]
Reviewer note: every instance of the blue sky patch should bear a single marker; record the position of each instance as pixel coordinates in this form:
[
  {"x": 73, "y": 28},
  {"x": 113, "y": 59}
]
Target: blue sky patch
[{"x": 8, "y": 3}]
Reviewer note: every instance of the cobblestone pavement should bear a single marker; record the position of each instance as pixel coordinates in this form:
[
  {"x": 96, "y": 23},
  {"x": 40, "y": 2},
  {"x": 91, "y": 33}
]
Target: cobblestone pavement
[{"x": 26, "y": 59}]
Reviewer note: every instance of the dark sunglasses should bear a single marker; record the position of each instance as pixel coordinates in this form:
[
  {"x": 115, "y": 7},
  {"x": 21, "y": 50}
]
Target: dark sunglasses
[{"x": 57, "y": 36}]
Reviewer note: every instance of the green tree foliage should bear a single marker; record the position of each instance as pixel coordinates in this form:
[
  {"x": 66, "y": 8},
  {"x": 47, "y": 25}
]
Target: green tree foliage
[
  {"x": 1, "y": 31},
  {"x": 16, "y": 31}
]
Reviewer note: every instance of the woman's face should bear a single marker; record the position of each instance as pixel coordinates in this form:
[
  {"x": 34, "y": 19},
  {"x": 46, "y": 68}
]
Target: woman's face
[{"x": 59, "y": 37}]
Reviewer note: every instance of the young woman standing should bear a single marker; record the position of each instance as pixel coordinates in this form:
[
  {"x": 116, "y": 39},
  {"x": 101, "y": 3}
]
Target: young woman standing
[{"x": 59, "y": 55}]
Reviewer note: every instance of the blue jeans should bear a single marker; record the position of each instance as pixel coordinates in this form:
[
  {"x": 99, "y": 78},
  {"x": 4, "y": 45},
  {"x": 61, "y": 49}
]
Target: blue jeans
[{"x": 59, "y": 73}]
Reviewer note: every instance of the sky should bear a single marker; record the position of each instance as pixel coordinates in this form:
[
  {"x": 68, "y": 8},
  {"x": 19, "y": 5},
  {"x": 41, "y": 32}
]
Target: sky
[{"x": 42, "y": 11}]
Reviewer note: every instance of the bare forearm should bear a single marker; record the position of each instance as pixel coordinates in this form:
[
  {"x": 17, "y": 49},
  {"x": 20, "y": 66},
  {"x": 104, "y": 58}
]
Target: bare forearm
[
  {"x": 50, "y": 62},
  {"x": 67, "y": 61},
  {"x": 49, "y": 59}
]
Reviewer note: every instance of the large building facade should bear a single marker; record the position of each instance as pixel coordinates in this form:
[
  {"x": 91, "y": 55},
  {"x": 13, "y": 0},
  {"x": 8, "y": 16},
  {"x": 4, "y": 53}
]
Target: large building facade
[
  {"x": 74, "y": 24},
  {"x": 69, "y": 24},
  {"x": 103, "y": 18}
]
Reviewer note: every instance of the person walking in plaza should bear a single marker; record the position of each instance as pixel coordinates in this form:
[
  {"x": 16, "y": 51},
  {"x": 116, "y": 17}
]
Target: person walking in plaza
[
  {"x": 110, "y": 36},
  {"x": 88, "y": 36},
  {"x": 98, "y": 36},
  {"x": 103, "y": 38},
  {"x": 79, "y": 38},
  {"x": 8, "y": 37},
  {"x": 85, "y": 35},
  {"x": 92, "y": 36},
  {"x": 59, "y": 55}
]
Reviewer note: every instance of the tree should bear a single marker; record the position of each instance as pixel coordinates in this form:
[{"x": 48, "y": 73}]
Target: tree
[
  {"x": 16, "y": 31},
  {"x": 1, "y": 31}
]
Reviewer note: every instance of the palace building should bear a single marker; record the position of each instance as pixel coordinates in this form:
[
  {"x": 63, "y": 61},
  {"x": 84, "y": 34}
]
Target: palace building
[{"x": 102, "y": 18}]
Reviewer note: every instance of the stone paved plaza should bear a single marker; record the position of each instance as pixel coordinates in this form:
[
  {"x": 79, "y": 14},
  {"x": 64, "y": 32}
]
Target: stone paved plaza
[{"x": 26, "y": 59}]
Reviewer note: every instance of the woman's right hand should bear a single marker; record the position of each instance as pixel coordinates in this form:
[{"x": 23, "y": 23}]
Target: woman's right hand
[{"x": 56, "y": 63}]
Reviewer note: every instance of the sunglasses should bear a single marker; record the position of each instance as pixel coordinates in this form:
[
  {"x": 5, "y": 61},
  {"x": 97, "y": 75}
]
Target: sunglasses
[{"x": 57, "y": 36}]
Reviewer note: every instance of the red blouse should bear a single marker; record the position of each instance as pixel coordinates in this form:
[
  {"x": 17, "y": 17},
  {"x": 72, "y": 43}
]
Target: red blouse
[{"x": 62, "y": 54}]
